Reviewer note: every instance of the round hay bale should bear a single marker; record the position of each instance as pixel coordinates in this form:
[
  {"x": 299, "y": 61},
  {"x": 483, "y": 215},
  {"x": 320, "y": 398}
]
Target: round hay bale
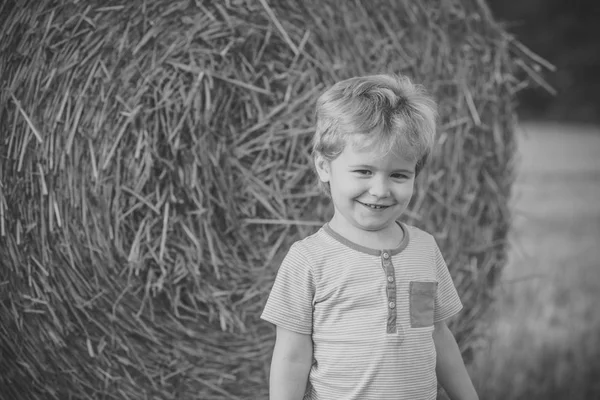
[{"x": 155, "y": 166}]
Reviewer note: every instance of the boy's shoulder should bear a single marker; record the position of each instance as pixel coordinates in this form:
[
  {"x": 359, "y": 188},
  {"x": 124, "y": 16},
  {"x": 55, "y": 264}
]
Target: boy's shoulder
[
  {"x": 314, "y": 241},
  {"x": 320, "y": 246},
  {"x": 312, "y": 249},
  {"x": 418, "y": 235},
  {"x": 416, "y": 230}
]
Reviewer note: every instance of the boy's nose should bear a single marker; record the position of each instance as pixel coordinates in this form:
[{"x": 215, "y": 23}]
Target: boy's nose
[{"x": 379, "y": 188}]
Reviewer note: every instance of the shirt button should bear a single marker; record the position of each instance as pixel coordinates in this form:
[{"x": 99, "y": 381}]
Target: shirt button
[
  {"x": 390, "y": 279},
  {"x": 386, "y": 255},
  {"x": 392, "y": 304}
]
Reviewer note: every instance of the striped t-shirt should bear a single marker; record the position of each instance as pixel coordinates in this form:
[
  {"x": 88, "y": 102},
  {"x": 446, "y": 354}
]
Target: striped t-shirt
[{"x": 370, "y": 313}]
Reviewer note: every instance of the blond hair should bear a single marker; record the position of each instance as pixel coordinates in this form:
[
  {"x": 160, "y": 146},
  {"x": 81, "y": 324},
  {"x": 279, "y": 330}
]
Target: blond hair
[{"x": 384, "y": 113}]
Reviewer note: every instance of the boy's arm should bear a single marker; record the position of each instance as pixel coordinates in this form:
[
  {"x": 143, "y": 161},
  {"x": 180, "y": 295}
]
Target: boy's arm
[
  {"x": 292, "y": 359},
  {"x": 450, "y": 367}
]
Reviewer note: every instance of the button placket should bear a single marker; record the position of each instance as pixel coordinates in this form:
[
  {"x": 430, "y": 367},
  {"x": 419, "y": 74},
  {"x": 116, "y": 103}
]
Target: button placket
[{"x": 388, "y": 268}]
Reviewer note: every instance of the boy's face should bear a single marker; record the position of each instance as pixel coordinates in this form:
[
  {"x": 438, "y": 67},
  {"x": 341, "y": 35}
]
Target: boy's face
[{"x": 369, "y": 192}]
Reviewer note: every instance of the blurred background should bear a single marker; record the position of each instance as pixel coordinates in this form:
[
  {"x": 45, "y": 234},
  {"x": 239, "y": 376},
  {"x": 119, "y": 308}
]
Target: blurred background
[
  {"x": 564, "y": 33},
  {"x": 544, "y": 340}
]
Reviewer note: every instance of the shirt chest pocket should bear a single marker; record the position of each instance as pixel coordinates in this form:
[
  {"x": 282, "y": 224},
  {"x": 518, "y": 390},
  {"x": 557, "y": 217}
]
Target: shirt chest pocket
[{"x": 422, "y": 303}]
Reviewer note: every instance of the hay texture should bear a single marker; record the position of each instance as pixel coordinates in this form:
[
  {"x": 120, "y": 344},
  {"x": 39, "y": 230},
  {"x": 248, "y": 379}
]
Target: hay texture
[{"x": 155, "y": 167}]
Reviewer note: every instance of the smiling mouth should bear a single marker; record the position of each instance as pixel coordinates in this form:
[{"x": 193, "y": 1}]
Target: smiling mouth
[{"x": 374, "y": 206}]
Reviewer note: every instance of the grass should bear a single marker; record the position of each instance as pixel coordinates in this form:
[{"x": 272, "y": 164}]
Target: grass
[{"x": 545, "y": 334}]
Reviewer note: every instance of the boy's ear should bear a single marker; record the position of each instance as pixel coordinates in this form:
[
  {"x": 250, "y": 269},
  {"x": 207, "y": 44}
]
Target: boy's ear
[{"x": 323, "y": 168}]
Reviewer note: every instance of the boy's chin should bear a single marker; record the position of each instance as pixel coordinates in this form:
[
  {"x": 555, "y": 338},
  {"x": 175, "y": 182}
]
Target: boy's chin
[{"x": 379, "y": 227}]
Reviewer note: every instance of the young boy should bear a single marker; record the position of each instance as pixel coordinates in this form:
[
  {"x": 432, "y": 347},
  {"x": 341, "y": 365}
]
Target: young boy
[{"x": 360, "y": 306}]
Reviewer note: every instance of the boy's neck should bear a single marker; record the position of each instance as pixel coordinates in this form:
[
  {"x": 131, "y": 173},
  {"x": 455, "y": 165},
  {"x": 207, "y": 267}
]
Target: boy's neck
[{"x": 388, "y": 238}]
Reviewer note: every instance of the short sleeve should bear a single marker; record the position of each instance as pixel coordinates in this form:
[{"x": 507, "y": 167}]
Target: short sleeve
[
  {"x": 290, "y": 303},
  {"x": 447, "y": 302}
]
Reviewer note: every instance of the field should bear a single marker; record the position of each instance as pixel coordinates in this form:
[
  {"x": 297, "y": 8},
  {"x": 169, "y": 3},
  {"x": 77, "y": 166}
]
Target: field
[{"x": 545, "y": 333}]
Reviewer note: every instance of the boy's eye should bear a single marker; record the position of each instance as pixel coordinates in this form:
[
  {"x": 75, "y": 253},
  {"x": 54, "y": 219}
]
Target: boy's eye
[
  {"x": 399, "y": 176},
  {"x": 363, "y": 171}
]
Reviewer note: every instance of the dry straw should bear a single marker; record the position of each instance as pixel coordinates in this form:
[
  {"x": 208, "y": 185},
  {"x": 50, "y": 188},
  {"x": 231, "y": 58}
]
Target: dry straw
[{"x": 155, "y": 167}]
